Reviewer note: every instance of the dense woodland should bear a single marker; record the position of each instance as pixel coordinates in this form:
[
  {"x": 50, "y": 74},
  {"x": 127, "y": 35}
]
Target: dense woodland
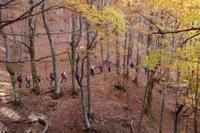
[{"x": 128, "y": 66}]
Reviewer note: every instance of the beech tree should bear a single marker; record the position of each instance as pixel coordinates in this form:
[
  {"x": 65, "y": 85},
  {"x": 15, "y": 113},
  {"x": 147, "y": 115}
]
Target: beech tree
[
  {"x": 53, "y": 54},
  {"x": 8, "y": 65}
]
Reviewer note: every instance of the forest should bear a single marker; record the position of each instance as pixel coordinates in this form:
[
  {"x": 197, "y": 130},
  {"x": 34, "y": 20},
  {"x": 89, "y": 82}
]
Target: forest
[{"x": 99, "y": 66}]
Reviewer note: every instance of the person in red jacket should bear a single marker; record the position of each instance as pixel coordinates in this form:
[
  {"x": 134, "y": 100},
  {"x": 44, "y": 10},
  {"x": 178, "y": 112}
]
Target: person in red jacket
[
  {"x": 19, "y": 80},
  {"x": 51, "y": 76}
]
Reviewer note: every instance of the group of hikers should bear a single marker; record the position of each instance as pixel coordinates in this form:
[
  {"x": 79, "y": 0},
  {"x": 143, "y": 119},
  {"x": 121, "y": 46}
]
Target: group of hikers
[
  {"x": 101, "y": 67},
  {"x": 108, "y": 63},
  {"x": 63, "y": 75},
  {"x": 28, "y": 79}
]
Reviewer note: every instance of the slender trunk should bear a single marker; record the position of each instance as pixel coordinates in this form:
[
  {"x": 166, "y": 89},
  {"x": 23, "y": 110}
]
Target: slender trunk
[
  {"x": 83, "y": 99},
  {"x": 107, "y": 52},
  {"x": 196, "y": 101},
  {"x": 11, "y": 73},
  {"x": 118, "y": 64},
  {"x": 143, "y": 110},
  {"x": 90, "y": 101},
  {"x": 150, "y": 86},
  {"x": 187, "y": 124},
  {"x": 53, "y": 54},
  {"x": 129, "y": 54},
  {"x": 75, "y": 40},
  {"x": 177, "y": 118},
  {"x": 89, "y": 45},
  {"x": 125, "y": 49},
  {"x": 137, "y": 68},
  {"x": 36, "y": 88},
  {"x": 124, "y": 62},
  {"x": 10, "y": 69},
  {"x": 79, "y": 78},
  {"x": 102, "y": 57},
  {"x": 176, "y": 123},
  {"x": 149, "y": 43},
  {"x": 163, "y": 104},
  {"x": 73, "y": 69}
]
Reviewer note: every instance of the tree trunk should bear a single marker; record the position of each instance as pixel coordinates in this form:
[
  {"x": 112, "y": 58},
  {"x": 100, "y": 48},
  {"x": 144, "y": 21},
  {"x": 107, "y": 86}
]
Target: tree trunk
[
  {"x": 85, "y": 114},
  {"x": 75, "y": 40},
  {"x": 137, "y": 68},
  {"x": 73, "y": 69},
  {"x": 10, "y": 70},
  {"x": 107, "y": 52},
  {"x": 9, "y": 66},
  {"x": 79, "y": 78},
  {"x": 36, "y": 88},
  {"x": 196, "y": 100},
  {"x": 125, "y": 49},
  {"x": 143, "y": 110},
  {"x": 118, "y": 64},
  {"x": 177, "y": 118},
  {"x": 150, "y": 86},
  {"x": 90, "y": 101},
  {"x": 163, "y": 103},
  {"x": 129, "y": 53},
  {"x": 53, "y": 54}
]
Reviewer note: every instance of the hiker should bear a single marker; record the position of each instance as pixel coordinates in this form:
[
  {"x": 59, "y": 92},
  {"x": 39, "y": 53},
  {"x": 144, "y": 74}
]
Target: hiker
[
  {"x": 145, "y": 69},
  {"x": 132, "y": 65},
  {"x": 51, "y": 76},
  {"x": 109, "y": 65},
  {"x": 19, "y": 80},
  {"x": 28, "y": 81},
  {"x": 117, "y": 64},
  {"x": 39, "y": 78},
  {"x": 92, "y": 70},
  {"x": 63, "y": 76}
]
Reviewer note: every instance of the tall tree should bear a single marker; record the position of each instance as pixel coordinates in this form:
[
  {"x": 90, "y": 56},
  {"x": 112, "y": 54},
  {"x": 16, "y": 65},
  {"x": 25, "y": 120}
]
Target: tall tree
[
  {"x": 32, "y": 24},
  {"x": 53, "y": 53},
  {"x": 8, "y": 65},
  {"x": 76, "y": 21}
]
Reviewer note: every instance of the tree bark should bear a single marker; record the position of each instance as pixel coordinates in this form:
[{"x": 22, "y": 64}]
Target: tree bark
[
  {"x": 89, "y": 45},
  {"x": 75, "y": 40},
  {"x": 143, "y": 110},
  {"x": 150, "y": 85},
  {"x": 196, "y": 100},
  {"x": 11, "y": 71},
  {"x": 79, "y": 78},
  {"x": 9, "y": 66},
  {"x": 118, "y": 64},
  {"x": 73, "y": 69},
  {"x": 129, "y": 53},
  {"x": 177, "y": 118},
  {"x": 36, "y": 87},
  {"x": 53, "y": 54},
  {"x": 137, "y": 68},
  {"x": 163, "y": 103},
  {"x": 85, "y": 112}
]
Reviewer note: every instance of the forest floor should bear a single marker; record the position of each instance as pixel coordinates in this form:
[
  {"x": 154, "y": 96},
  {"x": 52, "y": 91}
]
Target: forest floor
[{"x": 114, "y": 109}]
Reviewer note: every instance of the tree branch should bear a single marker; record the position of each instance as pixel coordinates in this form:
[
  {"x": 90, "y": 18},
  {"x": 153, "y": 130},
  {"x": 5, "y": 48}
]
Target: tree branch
[
  {"x": 178, "y": 31},
  {"x": 5, "y": 4},
  {"x": 198, "y": 33},
  {"x": 22, "y": 15}
]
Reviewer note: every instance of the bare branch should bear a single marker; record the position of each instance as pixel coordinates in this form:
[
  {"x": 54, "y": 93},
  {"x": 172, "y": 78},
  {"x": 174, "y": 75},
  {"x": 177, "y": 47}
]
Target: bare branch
[{"x": 178, "y": 31}]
